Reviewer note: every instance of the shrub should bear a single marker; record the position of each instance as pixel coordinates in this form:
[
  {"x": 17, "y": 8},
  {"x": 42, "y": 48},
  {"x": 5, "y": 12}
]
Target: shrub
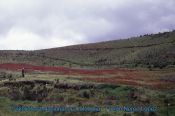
[
  {"x": 15, "y": 94},
  {"x": 85, "y": 94},
  {"x": 102, "y": 86},
  {"x": 150, "y": 67}
]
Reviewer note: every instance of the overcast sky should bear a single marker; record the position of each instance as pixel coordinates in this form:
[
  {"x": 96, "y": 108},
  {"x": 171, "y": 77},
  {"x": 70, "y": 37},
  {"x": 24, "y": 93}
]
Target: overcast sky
[{"x": 38, "y": 24}]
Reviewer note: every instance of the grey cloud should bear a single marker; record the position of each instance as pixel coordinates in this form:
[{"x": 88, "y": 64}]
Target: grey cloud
[{"x": 64, "y": 22}]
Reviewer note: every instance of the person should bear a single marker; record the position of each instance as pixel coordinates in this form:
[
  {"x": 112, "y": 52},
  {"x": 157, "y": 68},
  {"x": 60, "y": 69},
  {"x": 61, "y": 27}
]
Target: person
[{"x": 23, "y": 72}]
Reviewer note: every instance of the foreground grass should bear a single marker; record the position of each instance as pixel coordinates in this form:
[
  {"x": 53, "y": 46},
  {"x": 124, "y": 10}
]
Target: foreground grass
[{"x": 99, "y": 97}]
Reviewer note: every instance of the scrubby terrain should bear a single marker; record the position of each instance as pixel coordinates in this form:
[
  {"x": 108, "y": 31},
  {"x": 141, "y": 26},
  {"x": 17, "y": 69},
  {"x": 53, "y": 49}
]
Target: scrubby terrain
[
  {"x": 135, "y": 72},
  {"x": 157, "y": 50}
]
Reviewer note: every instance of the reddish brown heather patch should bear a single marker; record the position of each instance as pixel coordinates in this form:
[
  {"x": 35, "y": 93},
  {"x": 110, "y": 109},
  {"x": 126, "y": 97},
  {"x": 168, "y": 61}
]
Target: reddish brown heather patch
[
  {"x": 135, "y": 78},
  {"x": 120, "y": 75},
  {"x": 64, "y": 70},
  {"x": 157, "y": 84}
]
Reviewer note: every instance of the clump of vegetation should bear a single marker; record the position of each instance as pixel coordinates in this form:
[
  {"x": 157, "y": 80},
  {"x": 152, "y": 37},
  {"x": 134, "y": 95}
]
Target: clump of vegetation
[
  {"x": 33, "y": 92},
  {"x": 86, "y": 94},
  {"x": 15, "y": 94},
  {"x": 109, "y": 86},
  {"x": 9, "y": 75},
  {"x": 5, "y": 75},
  {"x": 127, "y": 114},
  {"x": 150, "y": 67}
]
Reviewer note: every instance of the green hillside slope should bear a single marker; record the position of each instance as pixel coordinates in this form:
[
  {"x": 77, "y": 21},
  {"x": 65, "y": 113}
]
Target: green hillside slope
[{"x": 156, "y": 50}]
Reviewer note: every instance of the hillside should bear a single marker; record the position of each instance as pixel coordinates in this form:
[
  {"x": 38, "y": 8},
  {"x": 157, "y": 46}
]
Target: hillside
[
  {"x": 91, "y": 75},
  {"x": 155, "y": 50}
]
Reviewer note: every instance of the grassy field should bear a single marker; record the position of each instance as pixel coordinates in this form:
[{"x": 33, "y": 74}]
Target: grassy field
[{"x": 105, "y": 90}]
